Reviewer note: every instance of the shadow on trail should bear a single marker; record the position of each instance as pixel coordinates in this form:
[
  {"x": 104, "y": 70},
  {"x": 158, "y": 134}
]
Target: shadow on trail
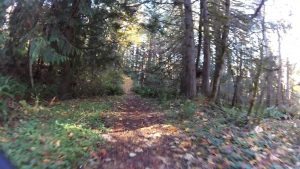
[
  {"x": 138, "y": 137},
  {"x": 133, "y": 113}
]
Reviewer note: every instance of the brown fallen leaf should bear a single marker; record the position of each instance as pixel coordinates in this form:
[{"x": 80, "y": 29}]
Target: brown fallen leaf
[
  {"x": 204, "y": 142},
  {"x": 102, "y": 153},
  {"x": 185, "y": 144}
]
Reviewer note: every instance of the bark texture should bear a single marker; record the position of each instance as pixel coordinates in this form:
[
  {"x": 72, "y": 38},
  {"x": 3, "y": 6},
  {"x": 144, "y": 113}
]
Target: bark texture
[
  {"x": 189, "y": 72},
  {"x": 206, "y": 51},
  {"x": 221, "y": 54}
]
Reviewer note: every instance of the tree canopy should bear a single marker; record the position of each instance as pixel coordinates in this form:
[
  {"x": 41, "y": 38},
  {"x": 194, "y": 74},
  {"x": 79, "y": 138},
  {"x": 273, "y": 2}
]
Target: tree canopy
[{"x": 147, "y": 84}]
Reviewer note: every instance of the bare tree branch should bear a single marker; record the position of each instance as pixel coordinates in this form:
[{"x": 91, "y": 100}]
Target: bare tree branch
[{"x": 258, "y": 9}]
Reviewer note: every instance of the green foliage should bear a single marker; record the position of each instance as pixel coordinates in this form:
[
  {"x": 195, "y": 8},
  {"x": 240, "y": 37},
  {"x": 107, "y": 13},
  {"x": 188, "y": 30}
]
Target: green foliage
[
  {"x": 188, "y": 109},
  {"x": 233, "y": 113},
  {"x": 2, "y": 42},
  {"x": 59, "y": 137},
  {"x": 10, "y": 89},
  {"x": 154, "y": 92},
  {"x": 239, "y": 116},
  {"x": 41, "y": 48},
  {"x": 182, "y": 110},
  {"x": 44, "y": 91},
  {"x": 105, "y": 83},
  {"x": 3, "y": 111},
  {"x": 290, "y": 110},
  {"x": 112, "y": 82},
  {"x": 63, "y": 144},
  {"x": 146, "y": 91},
  {"x": 236, "y": 116},
  {"x": 51, "y": 36},
  {"x": 273, "y": 112}
]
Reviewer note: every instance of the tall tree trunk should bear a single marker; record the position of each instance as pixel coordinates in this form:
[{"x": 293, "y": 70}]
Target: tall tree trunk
[
  {"x": 199, "y": 36},
  {"x": 206, "y": 50},
  {"x": 69, "y": 33},
  {"x": 279, "y": 82},
  {"x": 221, "y": 54},
  {"x": 236, "y": 91},
  {"x": 269, "y": 73},
  {"x": 259, "y": 68},
  {"x": 270, "y": 81},
  {"x": 30, "y": 66},
  {"x": 237, "y": 83},
  {"x": 136, "y": 59},
  {"x": 255, "y": 88},
  {"x": 287, "y": 91},
  {"x": 150, "y": 53},
  {"x": 189, "y": 73},
  {"x": 260, "y": 101},
  {"x": 65, "y": 85}
]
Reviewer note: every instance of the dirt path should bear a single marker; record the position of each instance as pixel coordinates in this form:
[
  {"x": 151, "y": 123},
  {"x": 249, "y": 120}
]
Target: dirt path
[
  {"x": 140, "y": 139},
  {"x": 127, "y": 85}
]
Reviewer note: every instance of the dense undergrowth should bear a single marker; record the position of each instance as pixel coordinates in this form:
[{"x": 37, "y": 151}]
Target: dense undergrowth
[
  {"x": 60, "y": 136},
  {"x": 15, "y": 94},
  {"x": 181, "y": 108},
  {"x": 10, "y": 90},
  {"x": 108, "y": 82}
]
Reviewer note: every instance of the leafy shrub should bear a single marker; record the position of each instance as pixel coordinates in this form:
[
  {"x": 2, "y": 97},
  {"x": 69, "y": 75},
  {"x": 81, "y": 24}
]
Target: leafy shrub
[
  {"x": 112, "y": 82},
  {"x": 188, "y": 109},
  {"x": 105, "y": 83},
  {"x": 44, "y": 91},
  {"x": 10, "y": 90},
  {"x": 290, "y": 110},
  {"x": 182, "y": 110},
  {"x": 232, "y": 113},
  {"x": 236, "y": 116},
  {"x": 86, "y": 86},
  {"x": 273, "y": 112},
  {"x": 155, "y": 92},
  {"x": 146, "y": 91}
]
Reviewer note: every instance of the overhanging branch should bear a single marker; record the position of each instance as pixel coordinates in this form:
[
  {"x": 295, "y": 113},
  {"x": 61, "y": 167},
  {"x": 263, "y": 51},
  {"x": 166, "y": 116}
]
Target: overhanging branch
[{"x": 258, "y": 9}]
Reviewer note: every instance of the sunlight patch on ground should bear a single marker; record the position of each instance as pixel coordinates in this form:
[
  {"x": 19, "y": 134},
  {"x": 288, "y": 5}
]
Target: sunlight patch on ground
[{"x": 155, "y": 131}]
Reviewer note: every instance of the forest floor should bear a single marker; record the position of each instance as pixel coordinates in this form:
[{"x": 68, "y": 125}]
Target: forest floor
[
  {"x": 142, "y": 137},
  {"x": 139, "y": 137},
  {"x": 130, "y": 132}
]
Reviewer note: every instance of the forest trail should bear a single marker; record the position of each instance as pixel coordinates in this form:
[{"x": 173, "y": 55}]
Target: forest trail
[
  {"x": 127, "y": 84},
  {"x": 139, "y": 138}
]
